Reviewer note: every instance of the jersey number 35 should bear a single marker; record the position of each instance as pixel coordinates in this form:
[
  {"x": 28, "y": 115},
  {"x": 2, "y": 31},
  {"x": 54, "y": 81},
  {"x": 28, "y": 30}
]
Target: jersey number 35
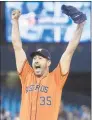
[{"x": 45, "y": 100}]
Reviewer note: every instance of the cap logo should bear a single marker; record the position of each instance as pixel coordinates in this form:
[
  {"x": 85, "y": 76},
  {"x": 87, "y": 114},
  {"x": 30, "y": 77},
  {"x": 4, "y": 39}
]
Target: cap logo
[{"x": 39, "y": 50}]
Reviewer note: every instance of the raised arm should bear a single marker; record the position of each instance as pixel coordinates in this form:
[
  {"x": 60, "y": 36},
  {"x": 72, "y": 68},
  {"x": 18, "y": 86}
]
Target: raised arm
[
  {"x": 17, "y": 44},
  {"x": 67, "y": 55},
  {"x": 79, "y": 18}
]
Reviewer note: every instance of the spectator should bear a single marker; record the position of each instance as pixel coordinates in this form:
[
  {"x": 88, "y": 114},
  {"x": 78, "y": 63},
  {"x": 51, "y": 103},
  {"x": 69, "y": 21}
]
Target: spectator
[
  {"x": 4, "y": 115},
  {"x": 62, "y": 113},
  {"x": 70, "y": 115},
  {"x": 17, "y": 116},
  {"x": 86, "y": 113},
  {"x": 76, "y": 115}
]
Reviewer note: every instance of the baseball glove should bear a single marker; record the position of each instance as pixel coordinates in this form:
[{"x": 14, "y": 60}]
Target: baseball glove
[{"x": 77, "y": 16}]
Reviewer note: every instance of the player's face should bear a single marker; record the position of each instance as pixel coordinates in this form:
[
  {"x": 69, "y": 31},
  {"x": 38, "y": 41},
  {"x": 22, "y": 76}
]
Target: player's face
[{"x": 40, "y": 65}]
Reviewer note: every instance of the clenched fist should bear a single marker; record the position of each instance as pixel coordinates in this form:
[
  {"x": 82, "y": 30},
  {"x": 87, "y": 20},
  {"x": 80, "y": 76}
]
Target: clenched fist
[{"x": 15, "y": 14}]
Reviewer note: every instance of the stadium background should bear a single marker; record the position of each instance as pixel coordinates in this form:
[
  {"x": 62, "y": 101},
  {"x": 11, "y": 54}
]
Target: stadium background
[{"x": 46, "y": 29}]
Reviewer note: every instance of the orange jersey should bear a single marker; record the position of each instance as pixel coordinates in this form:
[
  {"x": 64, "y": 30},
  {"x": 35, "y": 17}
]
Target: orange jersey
[{"x": 41, "y": 97}]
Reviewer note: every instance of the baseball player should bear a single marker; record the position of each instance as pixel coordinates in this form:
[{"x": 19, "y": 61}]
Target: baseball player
[{"x": 41, "y": 89}]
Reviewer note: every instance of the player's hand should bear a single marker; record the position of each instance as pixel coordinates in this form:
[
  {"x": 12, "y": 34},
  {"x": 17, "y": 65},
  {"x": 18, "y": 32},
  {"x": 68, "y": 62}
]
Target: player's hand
[
  {"x": 16, "y": 14},
  {"x": 76, "y": 15}
]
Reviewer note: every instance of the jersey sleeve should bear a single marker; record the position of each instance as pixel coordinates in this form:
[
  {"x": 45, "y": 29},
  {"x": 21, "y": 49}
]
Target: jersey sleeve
[
  {"x": 26, "y": 69},
  {"x": 60, "y": 78}
]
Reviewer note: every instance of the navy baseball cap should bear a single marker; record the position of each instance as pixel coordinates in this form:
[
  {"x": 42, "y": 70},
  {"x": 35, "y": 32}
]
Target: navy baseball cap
[{"x": 42, "y": 52}]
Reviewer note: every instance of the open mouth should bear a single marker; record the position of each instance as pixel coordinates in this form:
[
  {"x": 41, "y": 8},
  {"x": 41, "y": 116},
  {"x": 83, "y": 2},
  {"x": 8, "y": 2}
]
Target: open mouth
[{"x": 37, "y": 66}]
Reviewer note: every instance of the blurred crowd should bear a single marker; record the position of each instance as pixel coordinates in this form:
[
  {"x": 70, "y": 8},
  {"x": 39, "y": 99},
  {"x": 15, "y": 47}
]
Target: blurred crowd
[
  {"x": 84, "y": 113},
  {"x": 6, "y": 115}
]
